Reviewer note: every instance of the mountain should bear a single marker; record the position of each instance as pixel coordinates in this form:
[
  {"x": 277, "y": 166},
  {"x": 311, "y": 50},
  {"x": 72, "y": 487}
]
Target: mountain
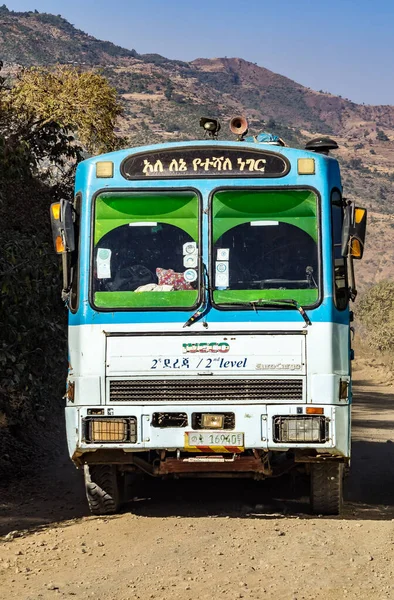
[
  {"x": 163, "y": 100},
  {"x": 33, "y": 38}
]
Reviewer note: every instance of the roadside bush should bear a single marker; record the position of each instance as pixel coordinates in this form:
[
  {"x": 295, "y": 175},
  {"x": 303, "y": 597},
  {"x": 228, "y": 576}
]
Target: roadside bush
[
  {"x": 375, "y": 313},
  {"x": 47, "y": 121}
]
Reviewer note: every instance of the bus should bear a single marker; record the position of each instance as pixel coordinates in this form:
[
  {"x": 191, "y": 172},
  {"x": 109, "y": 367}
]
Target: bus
[{"x": 208, "y": 285}]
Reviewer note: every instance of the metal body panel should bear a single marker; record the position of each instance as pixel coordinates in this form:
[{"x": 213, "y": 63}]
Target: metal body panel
[
  {"x": 217, "y": 354},
  {"x": 319, "y": 352}
]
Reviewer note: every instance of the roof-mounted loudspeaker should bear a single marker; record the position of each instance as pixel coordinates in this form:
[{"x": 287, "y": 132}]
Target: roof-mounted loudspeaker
[
  {"x": 239, "y": 126},
  {"x": 321, "y": 145},
  {"x": 210, "y": 126}
]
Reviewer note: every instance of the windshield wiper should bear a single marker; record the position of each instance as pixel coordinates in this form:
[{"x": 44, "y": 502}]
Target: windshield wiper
[
  {"x": 277, "y": 302},
  {"x": 205, "y": 306}
]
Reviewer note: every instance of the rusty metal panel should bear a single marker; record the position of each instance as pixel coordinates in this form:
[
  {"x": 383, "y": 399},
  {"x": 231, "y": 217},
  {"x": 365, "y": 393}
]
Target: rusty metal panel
[{"x": 239, "y": 465}]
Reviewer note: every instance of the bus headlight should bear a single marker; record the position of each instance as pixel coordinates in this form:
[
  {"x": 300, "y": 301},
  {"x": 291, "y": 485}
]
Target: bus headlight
[
  {"x": 109, "y": 431},
  {"x": 301, "y": 430},
  {"x": 212, "y": 421}
]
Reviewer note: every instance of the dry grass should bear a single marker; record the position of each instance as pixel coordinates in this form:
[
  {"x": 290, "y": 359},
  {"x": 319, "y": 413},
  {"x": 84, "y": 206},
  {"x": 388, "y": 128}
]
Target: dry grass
[{"x": 379, "y": 366}]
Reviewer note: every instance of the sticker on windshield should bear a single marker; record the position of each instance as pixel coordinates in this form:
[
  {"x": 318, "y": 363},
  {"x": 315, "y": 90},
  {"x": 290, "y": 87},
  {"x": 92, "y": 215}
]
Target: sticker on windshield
[
  {"x": 190, "y": 261},
  {"x": 221, "y": 274},
  {"x": 223, "y": 253},
  {"x": 103, "y": 263},
  {"x": 190, "y": 275},
  {"x": 190, "y": 248}
]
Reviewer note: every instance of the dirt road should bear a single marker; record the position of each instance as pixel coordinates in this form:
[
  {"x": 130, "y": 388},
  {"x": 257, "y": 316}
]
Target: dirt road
[{"x": 208, "y": 539}]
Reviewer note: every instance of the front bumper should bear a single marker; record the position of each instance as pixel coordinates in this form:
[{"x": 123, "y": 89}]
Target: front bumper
[{"x": 258, "y": 423}]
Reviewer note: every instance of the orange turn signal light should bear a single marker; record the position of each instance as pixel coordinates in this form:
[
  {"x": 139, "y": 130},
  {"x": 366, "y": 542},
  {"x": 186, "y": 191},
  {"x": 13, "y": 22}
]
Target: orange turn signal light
[
  {"x": 59, "y": 244},
  {"x": 359, "y": 214},
  {"x": 355, "y": 248},
  {"x": 314, "y": 410},
  {"x": 55, "y": 207},
  {"x": 343, "y": 390},
  {"x": 70, "y": 391}
]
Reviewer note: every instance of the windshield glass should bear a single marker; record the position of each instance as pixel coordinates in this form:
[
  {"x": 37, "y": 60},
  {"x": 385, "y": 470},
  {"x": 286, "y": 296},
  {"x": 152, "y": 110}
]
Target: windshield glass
[
  {"x": 146, "y": 250},
  {"x": 265, "y": 245}
]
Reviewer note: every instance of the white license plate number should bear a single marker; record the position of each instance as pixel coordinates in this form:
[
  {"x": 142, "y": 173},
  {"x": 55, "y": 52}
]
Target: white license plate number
[{"x": 216, "y": 438}]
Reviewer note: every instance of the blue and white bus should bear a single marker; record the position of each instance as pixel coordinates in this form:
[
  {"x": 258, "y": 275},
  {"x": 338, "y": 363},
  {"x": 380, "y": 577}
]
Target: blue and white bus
[{"x": 208, "y": 286}]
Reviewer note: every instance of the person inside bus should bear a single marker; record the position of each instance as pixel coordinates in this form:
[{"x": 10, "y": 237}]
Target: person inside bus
[{"x": 144, "y": 258}]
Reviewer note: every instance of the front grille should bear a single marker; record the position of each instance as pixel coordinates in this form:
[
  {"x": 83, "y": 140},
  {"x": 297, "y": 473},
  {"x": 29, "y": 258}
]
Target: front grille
[{"x": 190, "y": 391}]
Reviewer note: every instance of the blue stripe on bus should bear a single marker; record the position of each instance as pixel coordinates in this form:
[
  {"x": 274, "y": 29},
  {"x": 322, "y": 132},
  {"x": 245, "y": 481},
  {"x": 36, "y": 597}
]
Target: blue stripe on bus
[{"x": 321, "y": 314}]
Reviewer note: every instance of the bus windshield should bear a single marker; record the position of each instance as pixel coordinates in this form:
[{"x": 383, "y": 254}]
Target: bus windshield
[
  {"x": 265, "y": 246},
  {"x": 146, "y": 250}
]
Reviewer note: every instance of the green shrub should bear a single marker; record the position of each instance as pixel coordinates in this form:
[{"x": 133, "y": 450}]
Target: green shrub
[
  {"x": 375, "y": 312},
  {"x": 381, "y": 136},
  {"x": 33, "y": 349}
]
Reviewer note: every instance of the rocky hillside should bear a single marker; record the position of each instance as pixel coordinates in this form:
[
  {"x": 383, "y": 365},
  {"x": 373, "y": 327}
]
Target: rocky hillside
[
  {"x": 163, "y": 100},
  {"x": 33, "y": 38}
]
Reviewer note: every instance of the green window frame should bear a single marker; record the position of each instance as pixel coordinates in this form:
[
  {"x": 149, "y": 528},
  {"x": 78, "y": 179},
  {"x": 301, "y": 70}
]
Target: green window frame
[
  {"x": 150, "y": 211},
  {"x": 294, "y": 207}
]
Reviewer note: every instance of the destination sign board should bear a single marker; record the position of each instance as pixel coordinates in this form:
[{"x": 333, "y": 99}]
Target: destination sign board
[{"x": 204, "y": 162}]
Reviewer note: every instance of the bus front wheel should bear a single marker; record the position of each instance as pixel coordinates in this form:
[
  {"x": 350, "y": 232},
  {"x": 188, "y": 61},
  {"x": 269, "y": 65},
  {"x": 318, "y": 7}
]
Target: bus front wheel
[
  {"x": 326, "y": 488},
  {"x": 103, "y": 486}
]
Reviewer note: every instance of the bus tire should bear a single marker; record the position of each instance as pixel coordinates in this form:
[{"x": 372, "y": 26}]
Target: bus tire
[
  {"x": 326, "y": 493},
  {"x": 103, "y": 489}
]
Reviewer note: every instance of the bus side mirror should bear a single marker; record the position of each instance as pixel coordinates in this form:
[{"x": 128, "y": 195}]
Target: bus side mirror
[
  {"x": 62, "y": 226},
  {"x": 353, "y": 231}
]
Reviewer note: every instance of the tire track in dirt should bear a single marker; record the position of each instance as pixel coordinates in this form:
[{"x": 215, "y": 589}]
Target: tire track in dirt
[{"x": 206, "y": 538}]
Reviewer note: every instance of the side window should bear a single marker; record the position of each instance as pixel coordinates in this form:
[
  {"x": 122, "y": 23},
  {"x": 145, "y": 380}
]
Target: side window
[
  {"x": 341, "y": 293},
  {"x": 74, "y": 259}
]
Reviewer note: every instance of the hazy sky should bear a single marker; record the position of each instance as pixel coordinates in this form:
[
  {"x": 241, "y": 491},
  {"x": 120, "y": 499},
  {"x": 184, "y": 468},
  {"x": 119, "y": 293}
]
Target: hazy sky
[{"x": 342, "y": 46}]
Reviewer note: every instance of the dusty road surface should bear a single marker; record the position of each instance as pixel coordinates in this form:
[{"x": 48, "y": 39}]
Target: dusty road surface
[{"x": 210, "y": 539}]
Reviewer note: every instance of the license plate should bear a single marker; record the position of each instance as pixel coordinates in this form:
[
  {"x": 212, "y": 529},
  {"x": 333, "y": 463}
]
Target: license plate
[{"x": 223, "y": 441}]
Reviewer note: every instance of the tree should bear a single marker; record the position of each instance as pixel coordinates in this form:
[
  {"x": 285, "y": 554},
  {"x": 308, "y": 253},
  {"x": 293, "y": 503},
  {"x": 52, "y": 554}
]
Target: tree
[
  {"x": 169, "y": 89},
  {"x": 381, "y": 136},
  {"x": 356, "y": 163},
  {"x": 78, "y": 101},
  {"x": 47, "y": 119}
]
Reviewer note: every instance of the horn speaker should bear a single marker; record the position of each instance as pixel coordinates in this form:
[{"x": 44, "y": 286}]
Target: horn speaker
[{"x": 239, "y": 126}]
